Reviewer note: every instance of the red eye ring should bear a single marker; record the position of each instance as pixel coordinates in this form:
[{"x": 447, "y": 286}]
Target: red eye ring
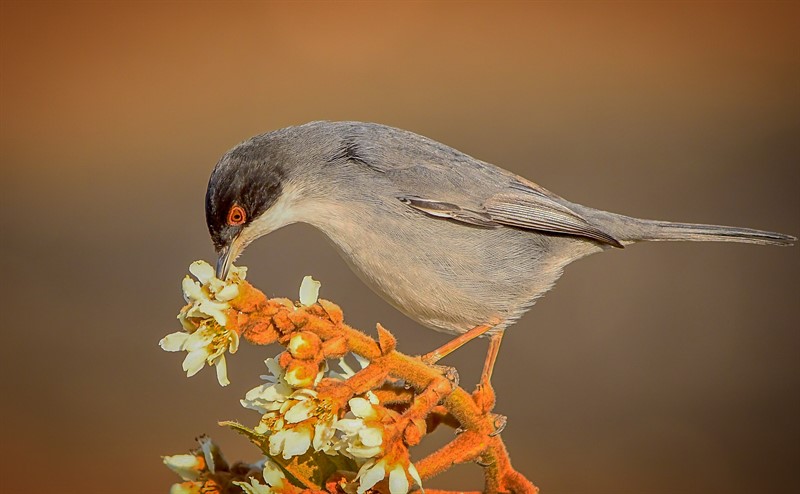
[{"x": 236, "y": 215}]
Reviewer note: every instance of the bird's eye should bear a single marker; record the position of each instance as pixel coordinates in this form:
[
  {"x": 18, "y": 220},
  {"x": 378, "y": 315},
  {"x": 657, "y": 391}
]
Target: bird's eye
[{"x": 236, "y": 215}]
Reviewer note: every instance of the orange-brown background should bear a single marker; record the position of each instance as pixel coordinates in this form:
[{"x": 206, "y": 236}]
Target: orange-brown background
[{"x": 662, "y": 368}]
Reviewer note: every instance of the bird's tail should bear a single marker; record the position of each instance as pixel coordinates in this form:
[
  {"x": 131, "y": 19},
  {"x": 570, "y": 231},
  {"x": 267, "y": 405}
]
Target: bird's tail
[
  {"x": 629, "y": 230},
  {"x": 666, "y": 230}
]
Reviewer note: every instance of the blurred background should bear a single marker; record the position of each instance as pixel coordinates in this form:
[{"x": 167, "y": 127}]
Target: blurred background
[{"x": 659, "y": 368}]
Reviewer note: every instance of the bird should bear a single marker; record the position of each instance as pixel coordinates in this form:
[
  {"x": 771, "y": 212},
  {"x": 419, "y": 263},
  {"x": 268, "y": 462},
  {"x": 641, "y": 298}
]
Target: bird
[{"x": 455, "y": 243}]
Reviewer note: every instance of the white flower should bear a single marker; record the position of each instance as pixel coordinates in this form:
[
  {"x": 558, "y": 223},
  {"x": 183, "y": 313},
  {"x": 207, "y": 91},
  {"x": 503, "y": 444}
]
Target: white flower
[
  {"x": 209, "y": 297},
  {"x": 363, "y": 434},
  {"x": 296, "y": 419},
  {"x": 206, "y": 345},
  {"x": 374, "y": 471},
  {"x": 204, "y": 318},
  {"x": 273, "y": 476},
  {"x": 271, "y": 396},
  {"x": 302, "y": 422},
  {"x": 204, "y": 272},
  {"x": 309, "y": 291}
]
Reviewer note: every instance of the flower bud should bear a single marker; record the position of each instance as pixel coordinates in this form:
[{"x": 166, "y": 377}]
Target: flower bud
[
  {"x": 305, "y": 345},
  {"x": 301, "y": 374}
]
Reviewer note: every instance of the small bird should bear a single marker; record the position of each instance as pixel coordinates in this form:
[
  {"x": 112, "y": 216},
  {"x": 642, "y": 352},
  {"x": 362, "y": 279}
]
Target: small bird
[{"x": 455, "y": 243}]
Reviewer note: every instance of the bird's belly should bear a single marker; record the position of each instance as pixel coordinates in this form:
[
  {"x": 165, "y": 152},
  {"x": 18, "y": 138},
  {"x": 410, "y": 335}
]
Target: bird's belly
[{"x": 448, "y": 276}]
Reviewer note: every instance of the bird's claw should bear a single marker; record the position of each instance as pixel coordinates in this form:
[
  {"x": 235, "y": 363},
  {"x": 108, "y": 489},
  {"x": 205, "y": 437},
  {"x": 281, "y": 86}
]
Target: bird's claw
[
  {"x": 449, "y": 373},
  {"x": 499, "y": 422}
]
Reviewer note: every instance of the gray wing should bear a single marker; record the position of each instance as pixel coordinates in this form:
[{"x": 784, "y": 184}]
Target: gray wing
[
  {"x": 445, "y": 183},
  {"x": 521, "y": 205}
]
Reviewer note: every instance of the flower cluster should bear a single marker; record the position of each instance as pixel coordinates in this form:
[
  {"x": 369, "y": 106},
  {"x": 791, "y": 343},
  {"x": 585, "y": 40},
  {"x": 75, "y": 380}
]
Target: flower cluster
[
  {"x": 323, "y": 430},
  {"x": 204, "y": 317},
  {"x": 364, "y": 440},
  {"x": 297, "y": 419},
  {"x": 294, "y": 418}
]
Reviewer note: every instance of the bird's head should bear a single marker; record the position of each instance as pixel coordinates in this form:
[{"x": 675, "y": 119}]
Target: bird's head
[{"x": 243, "y": 200}]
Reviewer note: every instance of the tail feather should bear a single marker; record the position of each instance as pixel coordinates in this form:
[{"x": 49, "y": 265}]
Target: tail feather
[
  {"x": 629, "y": 230},
  {"x": 666, "y": 230}
]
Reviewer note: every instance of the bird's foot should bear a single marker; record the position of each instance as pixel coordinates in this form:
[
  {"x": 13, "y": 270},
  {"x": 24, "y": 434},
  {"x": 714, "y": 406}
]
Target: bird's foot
[
  {"x": 449, "y": 373},
  {"x": 484, "y": 396},
  {"x": 499, "y": 422}
]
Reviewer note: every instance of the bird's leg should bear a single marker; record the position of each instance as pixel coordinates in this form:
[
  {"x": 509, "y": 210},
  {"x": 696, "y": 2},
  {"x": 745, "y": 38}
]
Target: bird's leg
[
  {"x": 455, "y": 344},
  {"x": 484, "y": 394},
  {"x": 491, "y": 357}
]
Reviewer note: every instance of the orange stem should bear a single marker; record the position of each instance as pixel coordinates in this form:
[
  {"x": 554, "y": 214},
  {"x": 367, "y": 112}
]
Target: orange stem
[{"x": 479, "y": 439}]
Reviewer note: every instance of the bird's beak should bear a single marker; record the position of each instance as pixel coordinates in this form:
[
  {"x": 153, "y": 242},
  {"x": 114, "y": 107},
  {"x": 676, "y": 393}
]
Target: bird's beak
[{"x": 226, "y": 257}]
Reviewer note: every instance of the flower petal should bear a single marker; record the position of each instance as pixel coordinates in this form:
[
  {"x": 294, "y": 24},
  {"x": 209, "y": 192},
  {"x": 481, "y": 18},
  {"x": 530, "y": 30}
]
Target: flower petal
[
  {"x": 370, "y": 475},
  {"x": 349, "y": 426},
  {"x": 233, "y": 343},
  {"x": 364, "y": 452},
  {"x": 299, "y": 412},
  {"x": 347, "y": 371},
  {"x": 362, "y": 361},
  {"x": 309, "y": 291},
  {"x": 361, "y": 408},
  {"x": 201, "y": 338},
  {"x": 237, "y": 272},
  {"x": 202, "y": 271},
  {"x": 276, "y": 441},
  {"x": 323, "y": 435},
  {"x": 296, "y": 443},
  {"x": 273, "y": 475},
  {"x": 222, "y": 371},
  {"x": 194, "y": 361},
  {"x": 173, "y": 342},
  {"x": 192, "y": 290},
  {"x": 265, "y": 398},
  {"x": 208, "y": 447},
  {"x": 188, "y": 467},
  {"x": 371, "y": 436},
  {"x": 412, "y": 470},
  {"x": 215, "y": 284},
  {"x": 215, "y": 310},
  {"x": 398, "y": 482},
  {"x": 183, "y": 317},
  {"x": 229, "y": 292},
  {"x": 291, "y": 442}
]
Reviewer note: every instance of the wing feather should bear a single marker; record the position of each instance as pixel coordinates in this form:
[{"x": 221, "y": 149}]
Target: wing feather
[{"x": 520, "y": 206}]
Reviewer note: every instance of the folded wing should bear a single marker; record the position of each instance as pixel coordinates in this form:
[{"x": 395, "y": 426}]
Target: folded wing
[{"x": 520, "y": 205}]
